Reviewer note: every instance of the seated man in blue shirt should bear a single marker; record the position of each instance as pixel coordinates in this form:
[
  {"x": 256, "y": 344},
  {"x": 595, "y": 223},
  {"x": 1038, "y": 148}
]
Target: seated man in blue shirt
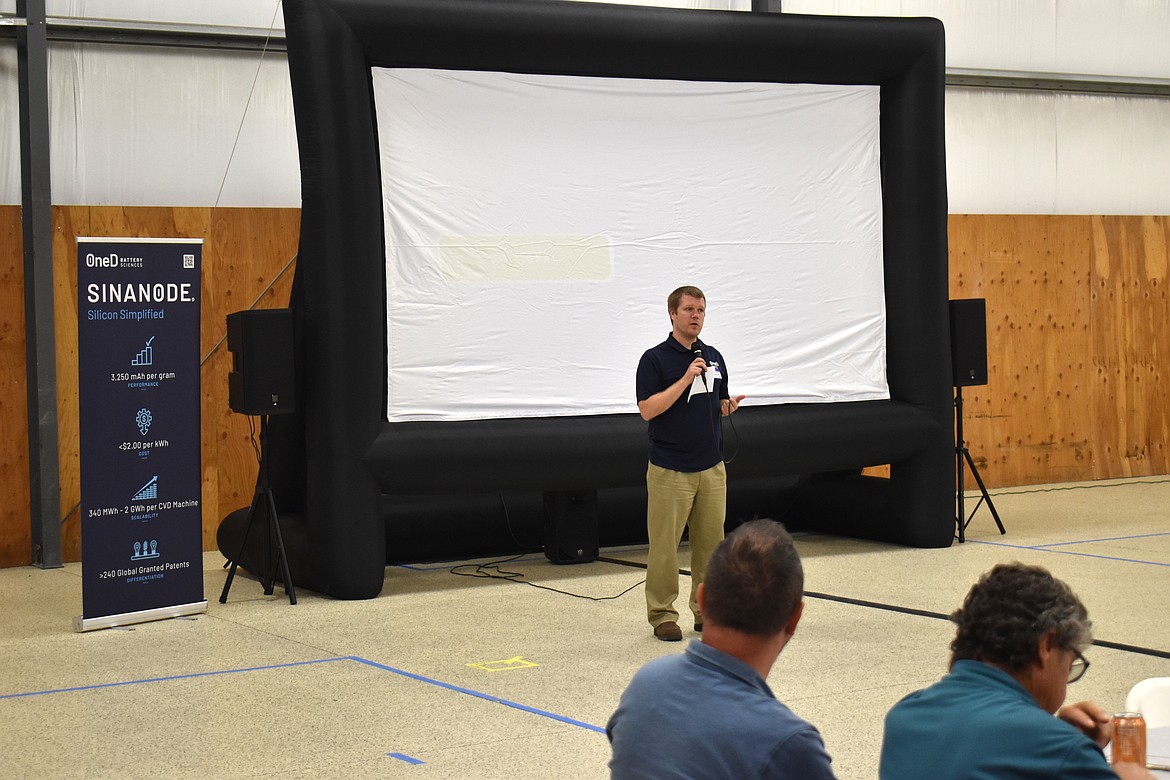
[
  {"x": 1017, "y": 647},
  {"x": 708, "y": 713}
]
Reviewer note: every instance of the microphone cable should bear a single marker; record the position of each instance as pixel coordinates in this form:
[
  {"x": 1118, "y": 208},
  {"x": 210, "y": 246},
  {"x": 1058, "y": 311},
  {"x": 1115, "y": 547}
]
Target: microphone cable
[
  {"x": 717, "y": 422},
  {"x": 736, "y": 432}
]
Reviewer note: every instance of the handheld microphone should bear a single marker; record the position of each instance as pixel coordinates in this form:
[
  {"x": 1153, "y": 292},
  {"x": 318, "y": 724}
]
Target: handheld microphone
[{"x": 698, "y": 350}]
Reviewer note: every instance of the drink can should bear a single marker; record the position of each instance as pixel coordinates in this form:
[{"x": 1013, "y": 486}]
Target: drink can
[{"x": 1129, "y": 738}]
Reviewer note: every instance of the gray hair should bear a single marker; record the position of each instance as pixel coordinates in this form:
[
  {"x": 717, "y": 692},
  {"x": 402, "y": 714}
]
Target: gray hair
[{"x": 1007, "y": 612}]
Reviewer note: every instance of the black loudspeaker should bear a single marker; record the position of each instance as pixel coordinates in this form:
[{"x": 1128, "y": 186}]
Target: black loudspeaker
[
  {"x": 969, "y": 342},
  {"x": 262, "y": 376},
  {"x": 570, "y": 526}
]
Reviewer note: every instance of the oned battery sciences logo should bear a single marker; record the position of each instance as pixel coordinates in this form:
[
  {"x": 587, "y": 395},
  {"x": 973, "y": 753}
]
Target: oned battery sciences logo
[{"x": 112, "y": 260}]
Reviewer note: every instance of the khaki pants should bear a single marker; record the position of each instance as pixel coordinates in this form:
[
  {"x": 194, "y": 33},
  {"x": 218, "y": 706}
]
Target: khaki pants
[{"x": 676, "y": 500}]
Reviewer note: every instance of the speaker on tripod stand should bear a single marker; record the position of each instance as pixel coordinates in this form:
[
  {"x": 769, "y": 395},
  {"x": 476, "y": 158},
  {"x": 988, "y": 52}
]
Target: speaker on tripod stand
[
  {"x": 968, "y": 369},
  {"x": 261, "y": 383}
]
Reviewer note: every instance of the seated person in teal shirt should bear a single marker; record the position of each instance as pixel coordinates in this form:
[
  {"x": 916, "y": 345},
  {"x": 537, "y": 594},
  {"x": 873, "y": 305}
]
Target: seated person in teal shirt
[{"x": 1017, "y": 647}]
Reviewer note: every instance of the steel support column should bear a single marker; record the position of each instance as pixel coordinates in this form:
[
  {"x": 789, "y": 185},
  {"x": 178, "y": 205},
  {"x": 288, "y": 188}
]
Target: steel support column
[{"x": 40, "y": 340}]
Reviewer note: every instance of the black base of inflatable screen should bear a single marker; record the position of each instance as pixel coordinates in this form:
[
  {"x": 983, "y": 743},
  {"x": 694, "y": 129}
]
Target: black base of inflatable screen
[{"x": 431, "y": 529}]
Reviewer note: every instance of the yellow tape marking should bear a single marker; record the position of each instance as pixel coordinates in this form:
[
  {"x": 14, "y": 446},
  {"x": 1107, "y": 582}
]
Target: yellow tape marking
[{"x": 503, "y": 666}]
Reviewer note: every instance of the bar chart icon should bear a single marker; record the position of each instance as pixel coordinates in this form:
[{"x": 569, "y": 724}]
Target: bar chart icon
[
  {"x": 145, "y": 356},
  {"x": 148, "y": 491}
]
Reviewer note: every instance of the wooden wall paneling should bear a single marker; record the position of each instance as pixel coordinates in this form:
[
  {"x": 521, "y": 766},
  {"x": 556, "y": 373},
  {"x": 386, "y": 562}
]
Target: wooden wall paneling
[
  {"x": 983, "y": 267},
  {"x": 1061, "y": 421},
  {"x": 149, "y": 221},
  {"x": 69, "y": 222},
  {"x": 1131, "y": 313},
  {"x": 247, "y": 258},
  {"x": 1032, "y": 422},
  {"x": 15, "y": 531},
  {"x": 1155, "y": 313}
]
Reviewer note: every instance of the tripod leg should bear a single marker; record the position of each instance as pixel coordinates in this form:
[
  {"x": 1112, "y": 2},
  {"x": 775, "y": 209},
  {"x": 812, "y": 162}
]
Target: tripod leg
[
  {"x": 960, "y": 448},
  {"x": 243, "y": 544},
  {"x": 283, "y": 558},
  {"x": 961, "y": 510},
  {"x": 983, "y": 489},
  {"x": 271, "y": 563}
]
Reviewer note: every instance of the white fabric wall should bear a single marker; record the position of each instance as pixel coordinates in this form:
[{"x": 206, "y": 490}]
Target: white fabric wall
[
  {"x": 1117, "y": 38},
  {"x": 151, "y": 126},
  {"x": 1012, "y": 152},
  {"x": 147, "y": 126},
  {"x": 9, "y": 127}
]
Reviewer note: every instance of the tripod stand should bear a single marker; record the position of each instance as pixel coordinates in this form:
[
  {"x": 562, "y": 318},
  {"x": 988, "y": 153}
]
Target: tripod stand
[
  {"x": 264, "y": 504},
  {"x": 963, "y": 454}
]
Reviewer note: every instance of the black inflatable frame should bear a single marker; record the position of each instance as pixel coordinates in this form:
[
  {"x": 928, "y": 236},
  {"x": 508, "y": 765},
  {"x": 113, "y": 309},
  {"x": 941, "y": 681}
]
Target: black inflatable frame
[{"x": 338, "y": 462}]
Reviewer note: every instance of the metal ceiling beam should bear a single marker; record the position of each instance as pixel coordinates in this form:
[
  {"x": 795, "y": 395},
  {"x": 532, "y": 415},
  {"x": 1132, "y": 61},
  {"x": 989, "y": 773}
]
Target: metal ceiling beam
[
  {"x": 1132, "y": 86},
  {"x": 190, "y": 36}
]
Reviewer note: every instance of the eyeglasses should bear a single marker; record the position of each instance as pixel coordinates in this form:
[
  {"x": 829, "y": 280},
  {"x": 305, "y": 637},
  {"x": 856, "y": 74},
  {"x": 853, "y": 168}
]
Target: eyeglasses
[{"x": 1080, "y": 665}]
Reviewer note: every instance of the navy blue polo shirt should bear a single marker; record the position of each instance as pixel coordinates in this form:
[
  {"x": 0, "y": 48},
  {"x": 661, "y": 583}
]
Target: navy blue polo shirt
[{"x": 687, "y": 436}]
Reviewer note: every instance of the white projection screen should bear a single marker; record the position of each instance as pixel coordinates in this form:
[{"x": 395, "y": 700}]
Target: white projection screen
[{"x": 535, "y": 224}]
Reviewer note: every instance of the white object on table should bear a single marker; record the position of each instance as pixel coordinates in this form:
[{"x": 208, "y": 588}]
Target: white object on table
[{"x": 1158, "y": 749}]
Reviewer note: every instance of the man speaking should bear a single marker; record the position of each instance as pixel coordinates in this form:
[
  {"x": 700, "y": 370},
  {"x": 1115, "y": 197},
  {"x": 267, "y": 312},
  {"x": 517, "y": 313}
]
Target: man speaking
[{"x": 682, "y": 391}]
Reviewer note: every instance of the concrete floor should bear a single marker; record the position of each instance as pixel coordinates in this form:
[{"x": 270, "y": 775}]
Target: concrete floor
[{"x": 454, "y": 677}]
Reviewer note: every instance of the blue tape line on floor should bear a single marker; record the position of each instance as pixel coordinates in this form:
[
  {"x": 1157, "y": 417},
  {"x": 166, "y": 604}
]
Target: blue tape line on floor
[
  {"x": 1106, "y": 539},
  {"x": 479, "y": 695},
  {"x": 1049, "y": 549},
  {"x": 366, "y": 662},
  {"x": 406, "y": 758},
  {"x": 172, "y": 677}
]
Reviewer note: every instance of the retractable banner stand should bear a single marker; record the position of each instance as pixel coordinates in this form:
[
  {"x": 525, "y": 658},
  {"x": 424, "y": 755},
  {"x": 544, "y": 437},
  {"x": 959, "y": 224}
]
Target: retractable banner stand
[{"x": 138, "y": 359}]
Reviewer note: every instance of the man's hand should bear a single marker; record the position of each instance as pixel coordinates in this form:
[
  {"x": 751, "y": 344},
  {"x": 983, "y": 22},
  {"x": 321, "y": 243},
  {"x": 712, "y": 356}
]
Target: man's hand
[
  {"x": 1128, "y": 771},
  {"x": 729, "y": 405},
  {"x": 658, "y": 403},
  {"x": 1090, "y": 718}
]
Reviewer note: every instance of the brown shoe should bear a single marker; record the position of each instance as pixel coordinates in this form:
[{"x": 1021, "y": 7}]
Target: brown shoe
[{"x": 668, "y": 631}]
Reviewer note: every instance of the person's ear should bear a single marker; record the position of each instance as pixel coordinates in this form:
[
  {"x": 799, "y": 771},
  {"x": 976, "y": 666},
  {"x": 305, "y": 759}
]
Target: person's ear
[
  {"x": 701, "y": 597},
  {"x": 790, "y": 629},
  {"x": 1045, "y": 648}
]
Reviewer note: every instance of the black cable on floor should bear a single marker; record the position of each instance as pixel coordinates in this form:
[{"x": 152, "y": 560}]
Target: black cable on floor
[
  {"x": 1125, "y": 648},
  {"x": 1014, "y": 492},
  {"x": 492, "y": 571},
  {"x": 631, "y": 564},
  {"x": 1131, "y": 648},
  {"x": 876, "y": 605},
  {"x": 939, "y": 616}
]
